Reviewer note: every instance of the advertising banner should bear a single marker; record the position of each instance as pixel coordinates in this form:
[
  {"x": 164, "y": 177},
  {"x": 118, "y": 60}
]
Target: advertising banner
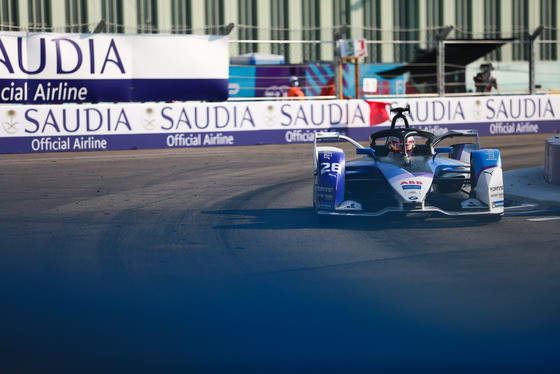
[
  {"x": 490, "y": 115},
  {"x": 273, "y": 81},
  {"x": 70, "y": 127},
  {"x": 43, "y": 68}
]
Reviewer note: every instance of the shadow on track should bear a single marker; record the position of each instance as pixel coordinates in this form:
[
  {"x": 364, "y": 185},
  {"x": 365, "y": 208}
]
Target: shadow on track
[{"x": 306, "y": 218}]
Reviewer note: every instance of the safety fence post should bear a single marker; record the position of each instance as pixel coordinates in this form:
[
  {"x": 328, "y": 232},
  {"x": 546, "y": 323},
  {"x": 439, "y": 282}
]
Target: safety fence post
[{"x": 532, "y": 39}]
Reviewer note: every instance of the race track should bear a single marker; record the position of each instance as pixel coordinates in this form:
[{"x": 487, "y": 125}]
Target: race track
[{"x": 212, "y": 260}]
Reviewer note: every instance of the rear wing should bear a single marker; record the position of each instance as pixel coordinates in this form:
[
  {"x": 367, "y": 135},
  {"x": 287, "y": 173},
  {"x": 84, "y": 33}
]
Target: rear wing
[
  {"x": 462, "y": 148},
  {"x": 458, "y": 133},
  {"x": 335, "y": 135}
]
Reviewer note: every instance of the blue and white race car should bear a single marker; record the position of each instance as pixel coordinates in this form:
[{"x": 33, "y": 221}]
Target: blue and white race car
[{"x": 408, "y": 170}]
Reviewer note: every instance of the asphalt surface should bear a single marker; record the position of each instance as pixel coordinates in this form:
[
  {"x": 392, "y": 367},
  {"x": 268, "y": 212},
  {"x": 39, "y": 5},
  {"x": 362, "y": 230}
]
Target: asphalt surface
[
  {"x": 526, "y": 184},
  {"x": 212, "y": 260},
  {"x": 530, "y": 185}
]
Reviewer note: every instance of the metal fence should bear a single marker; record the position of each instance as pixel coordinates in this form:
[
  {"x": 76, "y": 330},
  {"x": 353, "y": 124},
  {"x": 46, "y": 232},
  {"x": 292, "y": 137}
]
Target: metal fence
[
  {"x": 524, "y": 64},
  {"x": 445, "y": 62}
]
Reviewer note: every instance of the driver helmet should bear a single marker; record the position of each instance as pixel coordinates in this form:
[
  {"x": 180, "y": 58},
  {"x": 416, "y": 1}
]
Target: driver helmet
[{"x": 394, "y": 144}]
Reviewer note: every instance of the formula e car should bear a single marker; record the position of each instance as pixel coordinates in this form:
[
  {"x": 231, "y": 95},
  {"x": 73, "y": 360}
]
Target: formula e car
[{"x": 408, "y": 170}]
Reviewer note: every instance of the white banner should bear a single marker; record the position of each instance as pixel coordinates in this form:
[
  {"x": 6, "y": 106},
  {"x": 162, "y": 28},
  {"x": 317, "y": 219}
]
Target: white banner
[
  {"x": 157, "y": 125},
  {"x": 59, "y": 68},
  {"x": 41, "y": 120}
]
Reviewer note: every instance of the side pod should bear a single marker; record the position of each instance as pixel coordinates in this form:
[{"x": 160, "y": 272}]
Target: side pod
[
  {"x": 487, "y": 177},
  {"x": 330, "y": 169}
]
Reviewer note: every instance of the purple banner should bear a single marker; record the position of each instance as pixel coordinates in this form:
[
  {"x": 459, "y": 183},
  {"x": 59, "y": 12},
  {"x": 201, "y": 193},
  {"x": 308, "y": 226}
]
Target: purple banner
[
  {"x": 56, "y": 91},
  {"x": 206, "y": 139},
  {"x": 144, "y": 141},
  {"x": 274, "y": 81},
  {"x": 51, "y": 68}
]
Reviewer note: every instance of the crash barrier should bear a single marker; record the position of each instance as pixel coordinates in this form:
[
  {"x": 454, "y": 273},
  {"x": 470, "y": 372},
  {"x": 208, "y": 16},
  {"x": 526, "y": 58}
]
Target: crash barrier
[
  {"x": 121, "y": 126},
  {"x": 552, "y": 160},
  {"x": 50, "y": 68}
]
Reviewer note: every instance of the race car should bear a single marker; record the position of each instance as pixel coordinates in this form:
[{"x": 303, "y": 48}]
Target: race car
[{"x": 407, "y": 170}]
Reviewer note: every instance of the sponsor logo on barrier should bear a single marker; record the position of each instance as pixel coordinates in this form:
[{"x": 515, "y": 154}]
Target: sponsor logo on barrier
[
  {"x": 70, "y": 120},
  {"x": 436, "y": 111},
  {"x": 321, "y": 114},
  {"x": 511, "y": 108},
  {"x": 513, "y": 128},
  {"x": 300, "y": 136},
  {"x": 10, "y": 123},
  {"x": 44, "y": 92},
  {"x": 65, "y": 54},
  {"x": 56, "y": 58},
  {"x": 183, "y": 140},
  {"x": 510, "y": 114},
  {"x": 99, "y": 119},
  {"x": 436, "y": 130},
  {"x": 89, "y": 143},
  {"x": 193, "y": 124},
  {"x": 13, "y": 93},
  {"x": 58, "y": 68},
  {"x": 190, "y": 117}
]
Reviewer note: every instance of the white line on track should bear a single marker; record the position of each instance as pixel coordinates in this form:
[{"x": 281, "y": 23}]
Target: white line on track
[{"x": 543, "y": 219}]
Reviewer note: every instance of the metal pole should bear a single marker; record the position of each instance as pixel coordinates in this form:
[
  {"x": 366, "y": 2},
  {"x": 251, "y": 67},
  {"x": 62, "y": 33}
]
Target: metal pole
[
  {"x": 337, "y": 63},
  {"x": 532, "y": 38},
  {"x": 100, "y": 27},
  {"x": 441, "y": 59},
  {"x": 441, "y": 68},
  {"x": 337, "y": 70},
  {"x": 357, "y": 77}
]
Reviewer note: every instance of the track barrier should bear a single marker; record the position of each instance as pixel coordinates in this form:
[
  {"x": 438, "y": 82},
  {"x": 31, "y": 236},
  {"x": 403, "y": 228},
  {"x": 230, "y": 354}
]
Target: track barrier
[{"x": 121, "y": 126}]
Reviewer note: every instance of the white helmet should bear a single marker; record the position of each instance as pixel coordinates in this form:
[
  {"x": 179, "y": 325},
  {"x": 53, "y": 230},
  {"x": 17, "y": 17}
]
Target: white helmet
[{"x": 395, "y": 144}]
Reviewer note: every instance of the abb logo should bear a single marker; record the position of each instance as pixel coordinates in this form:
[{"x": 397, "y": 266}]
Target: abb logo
[{"x": 410, "y": 182}]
